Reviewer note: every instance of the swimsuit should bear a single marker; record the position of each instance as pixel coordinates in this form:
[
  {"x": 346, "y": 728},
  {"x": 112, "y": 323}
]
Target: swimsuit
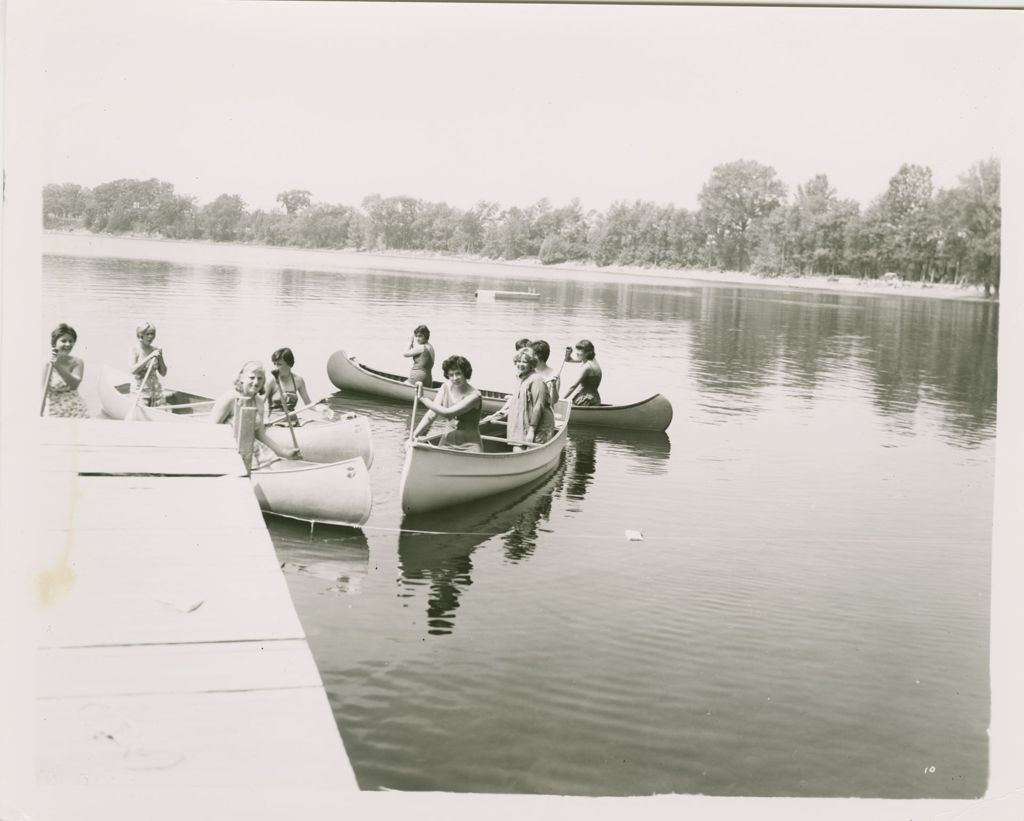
[
  {"x": 422, "y": 365},
  {"x": 587, "y": 394},
  {"x": 153, "y": 391},
  {"x": 291, "y": 397},
  {"x": 63, "y": 400},
  {"x": 466, "y": 433}
]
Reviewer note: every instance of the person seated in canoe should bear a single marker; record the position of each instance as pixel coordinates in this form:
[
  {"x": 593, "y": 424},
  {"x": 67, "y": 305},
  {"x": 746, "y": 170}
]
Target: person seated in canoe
[
  {"x": 285, "y": 387},
  {"x": 530, "y": 417},
  {"x": 552, "y": 378},
  {"x": 62, "y": 374},
  {"x": 459, "y": 401},
  {"x": 247, "y": 392},
  {"x": 148, "y": 364},
  {"x": 590, "y": 377},
  {"x": 422, "y": 353}
]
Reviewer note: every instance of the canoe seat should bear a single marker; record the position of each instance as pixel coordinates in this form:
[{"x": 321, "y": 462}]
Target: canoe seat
[{"x": 504, "y": 441}]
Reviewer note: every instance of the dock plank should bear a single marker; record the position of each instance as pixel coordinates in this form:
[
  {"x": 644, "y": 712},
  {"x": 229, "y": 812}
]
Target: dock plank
[
  {"x": 166, "y": 461},
  {"x": 156, "y": 503},
  {"x": 175, "y": 668},
  {"x": 230, "y": 741},
  {"x": 149, "y": 598},
  {"x": 114, "y": 433}
]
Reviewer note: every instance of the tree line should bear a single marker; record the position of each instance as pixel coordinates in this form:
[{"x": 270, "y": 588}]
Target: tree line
[{"x": 746, "y": 221}]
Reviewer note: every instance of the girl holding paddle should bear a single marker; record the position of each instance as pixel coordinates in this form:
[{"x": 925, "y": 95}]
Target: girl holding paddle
[
  {"x": 248, "y": 393},
  {"x": 422, "y": 354},
  {"x": 590, "y": 376},
  {"x": 62, "y": 375},
  {"x": 457, "y": 400},
  {"x": 285, "y": 388},
  {"x": 147, "y": 367}
]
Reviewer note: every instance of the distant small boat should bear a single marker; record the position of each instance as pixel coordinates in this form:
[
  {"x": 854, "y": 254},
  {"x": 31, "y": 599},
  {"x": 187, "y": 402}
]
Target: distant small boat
[
  {"x": 319, "y": 440},
  {"x": 435, "y": 477},
  {"x": 336, "y": 493},
  {"x": 653, "y": 413},
  {"x": 489, "y": 295}
]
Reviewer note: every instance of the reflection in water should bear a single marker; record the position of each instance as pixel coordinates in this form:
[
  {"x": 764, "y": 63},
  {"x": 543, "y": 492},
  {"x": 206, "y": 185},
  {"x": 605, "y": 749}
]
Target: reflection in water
[
  {"x": 338, "y": 555},
  {"x": 938, "y": 351},
  {"x": 440, "y": 554},
  {"x": 583, "y": 458}
]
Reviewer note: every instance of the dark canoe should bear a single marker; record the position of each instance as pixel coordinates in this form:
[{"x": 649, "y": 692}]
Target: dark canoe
[{"x": 653, "y": 413}]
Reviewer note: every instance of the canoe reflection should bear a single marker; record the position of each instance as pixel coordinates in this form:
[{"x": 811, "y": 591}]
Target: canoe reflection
[
  {"x": 339, "y": 556},
  {"x": 435, "y": 548},
  {"x": 645, "y": 452}
]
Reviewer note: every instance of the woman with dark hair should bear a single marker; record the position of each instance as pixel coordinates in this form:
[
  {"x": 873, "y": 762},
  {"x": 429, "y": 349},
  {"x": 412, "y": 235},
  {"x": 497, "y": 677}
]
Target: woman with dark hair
[
  {"x": 551, "y": 377},
  {"x": 459, "y": 401},
  {"x": 247, "y": 392},
  {"x": 422, "y": 353},
  {"x": 590, "y": 377},
  {"x": 285, "y": 387},
  {"x": 62, "y": 374}
]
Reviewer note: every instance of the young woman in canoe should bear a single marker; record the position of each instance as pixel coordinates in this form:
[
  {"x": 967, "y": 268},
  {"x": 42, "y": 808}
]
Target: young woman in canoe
[
  {"x": 530, "y": 417},
  {"x": 422, "y": 353},
  {"x": 62, "y": 374},
  {"x": 552, "y": 378},
  {"x": 459, "y": 401},
  {"x": 285, "y": 387},
  {"x": 247, "y": 393},
  {"x": 148, "y": 359},
  {"x": 590, "y": 377}
]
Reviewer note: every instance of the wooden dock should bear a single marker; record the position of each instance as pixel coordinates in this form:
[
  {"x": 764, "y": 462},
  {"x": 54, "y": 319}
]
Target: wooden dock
[
  {"x": 170, "y": 656},
  {"x": 530, "y": 296}
]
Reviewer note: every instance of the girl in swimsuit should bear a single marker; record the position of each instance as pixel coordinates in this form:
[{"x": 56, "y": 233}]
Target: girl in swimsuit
[
  {"x": 144, "y": 354},
  {"x": 590, "y": 376},
  {"x": 459, "y": 401},
  {"x": 246, "y": 393},
  {"x": 62, "y": 397},
  {"x": 284, "y": 383},
  {"x": 422, "y": 353}
]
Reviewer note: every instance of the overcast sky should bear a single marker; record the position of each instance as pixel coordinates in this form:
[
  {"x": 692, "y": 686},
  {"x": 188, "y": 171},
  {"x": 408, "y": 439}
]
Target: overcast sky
[{"x": 512, "y": 103}]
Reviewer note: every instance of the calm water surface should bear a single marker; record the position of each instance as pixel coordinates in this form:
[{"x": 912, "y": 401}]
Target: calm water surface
[{"x": 806, "y": 615}]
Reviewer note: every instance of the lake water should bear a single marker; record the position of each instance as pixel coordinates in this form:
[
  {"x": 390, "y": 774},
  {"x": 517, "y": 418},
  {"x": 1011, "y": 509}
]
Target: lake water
[{"x": 806, "y": 615}]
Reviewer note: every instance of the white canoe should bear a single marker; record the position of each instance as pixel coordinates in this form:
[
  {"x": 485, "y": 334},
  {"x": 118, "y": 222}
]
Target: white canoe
[
  {"x": 347, "y": 437},
  {"x": 435, "y": 477},
  {"x": 336, "y": 493},
  {"x": 653, "y": 413}
]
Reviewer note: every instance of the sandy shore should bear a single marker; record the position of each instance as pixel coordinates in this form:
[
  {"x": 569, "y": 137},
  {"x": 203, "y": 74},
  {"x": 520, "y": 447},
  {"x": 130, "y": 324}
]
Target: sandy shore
[{"x": 84, "y": 244}]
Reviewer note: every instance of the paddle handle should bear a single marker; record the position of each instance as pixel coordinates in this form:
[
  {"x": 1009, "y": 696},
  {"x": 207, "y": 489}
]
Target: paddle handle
[
  {"x": 130, "y": 416},
  {"x": 46, "y": 387},
  {"x": 291, "y": 427},
  {"x": 415, "y": 398}
]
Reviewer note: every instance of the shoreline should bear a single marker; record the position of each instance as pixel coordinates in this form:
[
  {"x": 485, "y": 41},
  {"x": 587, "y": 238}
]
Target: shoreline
[{"x": 84, "y": 243}]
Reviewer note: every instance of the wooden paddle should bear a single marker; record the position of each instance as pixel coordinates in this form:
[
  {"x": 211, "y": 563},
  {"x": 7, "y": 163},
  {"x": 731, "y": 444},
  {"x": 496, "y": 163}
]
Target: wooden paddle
[
  {"x": 412, "y": 421},
  {"x": 320, "y": 406},
  {"x": 130, "y": 416},
  {"x": 46, "y": 387},
  {"x": 291, "y": 427}
]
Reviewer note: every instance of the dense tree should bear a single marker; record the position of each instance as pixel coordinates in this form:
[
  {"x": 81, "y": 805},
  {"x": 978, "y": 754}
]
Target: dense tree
[
  {"x": 294, "y": 200},
  {"x": 223, "y": 218},
  {"x": 737, "y": 194},
  {"x": 64, "y": 205}
]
